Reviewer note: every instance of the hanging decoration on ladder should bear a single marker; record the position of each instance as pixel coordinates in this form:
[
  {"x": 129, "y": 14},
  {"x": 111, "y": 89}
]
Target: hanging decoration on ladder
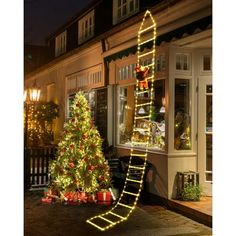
[
  {"x": 145, "y": 72},
  {"x": 141, "y": 76}
]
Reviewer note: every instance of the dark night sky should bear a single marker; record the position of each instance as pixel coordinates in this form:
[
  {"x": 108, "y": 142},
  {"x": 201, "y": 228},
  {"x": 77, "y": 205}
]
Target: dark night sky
[{"x": 43, "y": 17}]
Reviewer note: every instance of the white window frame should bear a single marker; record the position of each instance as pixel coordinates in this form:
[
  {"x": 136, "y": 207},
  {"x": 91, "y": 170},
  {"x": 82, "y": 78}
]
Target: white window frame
[
  {"x": 183, "y": 71},
  {"x": 86, "y": 27},
  {"x": 202, "y": 71},
  {"x": 60, "y": 43},
  {"x": 119, "y": 12}
]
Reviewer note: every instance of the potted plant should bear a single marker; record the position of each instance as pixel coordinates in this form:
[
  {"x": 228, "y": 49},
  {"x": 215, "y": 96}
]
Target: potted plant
[{"x": 191, "y": 192}]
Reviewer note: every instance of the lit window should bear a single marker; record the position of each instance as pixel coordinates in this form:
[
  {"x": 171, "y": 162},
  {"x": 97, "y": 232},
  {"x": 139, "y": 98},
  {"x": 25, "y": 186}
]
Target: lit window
[
  {"x": 125, "y": 117},
  {"x": 126, "y": 72},
  {"x": 161, "y": 63},
  {"x": 183, "y": 61},
  {"x": 123, "y": 9},
  {"x": 182, "y": 115},
  {"x": 60, "y": 44},
  {"x": 86, "y": 27}
]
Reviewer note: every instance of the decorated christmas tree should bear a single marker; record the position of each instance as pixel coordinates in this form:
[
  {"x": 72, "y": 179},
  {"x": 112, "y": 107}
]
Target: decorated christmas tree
[{"x": 80, "y": 165}]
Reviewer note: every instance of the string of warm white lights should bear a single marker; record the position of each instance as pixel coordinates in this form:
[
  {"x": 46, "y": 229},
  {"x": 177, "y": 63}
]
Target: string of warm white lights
[{"x": 133, "y": 153}]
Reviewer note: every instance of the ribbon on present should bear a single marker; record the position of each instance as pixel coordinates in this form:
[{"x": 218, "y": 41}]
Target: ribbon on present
[
  {"x": 46, "y": 200},
  {"x": 49, "y": 193},
  {"x": 104, "y": 196},
  {"x": 92, "y": 198},
  {"x": 82, "y": 197}
]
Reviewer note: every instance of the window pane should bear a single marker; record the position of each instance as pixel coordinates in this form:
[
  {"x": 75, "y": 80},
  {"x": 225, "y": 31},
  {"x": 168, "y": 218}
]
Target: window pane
[
  {"x": 131, "y": 6},
  {"x": 209, "y": 113},
  {"x": 126, "y": 113},
  {"x": 119, "y": 12},
  {"x": 209, "y": 157},
  {"x": 124, "y": 12},
  {"x": 126, "y": 116},
  {"x": 182, "y": 115},
  {"x": 178, "y": 66},
  {"x": 206, "y": 62}
]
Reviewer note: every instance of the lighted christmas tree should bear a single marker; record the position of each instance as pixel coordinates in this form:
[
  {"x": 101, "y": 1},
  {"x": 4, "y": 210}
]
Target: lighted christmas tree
[{"x": 80, "y": 164}]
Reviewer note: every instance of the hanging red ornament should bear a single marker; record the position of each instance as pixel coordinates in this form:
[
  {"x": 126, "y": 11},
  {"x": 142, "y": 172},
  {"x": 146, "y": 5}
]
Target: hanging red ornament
[
  {"x": 90, "y": 167},
  {"x": 92, "y": 146},
  {"x": 86, "y": 158},
  {"x": 73, "y": 120},
  {"x": 71, "y": 165},
  {"x": 101, "y": 178},
  {"x": 72, "y": 146}
]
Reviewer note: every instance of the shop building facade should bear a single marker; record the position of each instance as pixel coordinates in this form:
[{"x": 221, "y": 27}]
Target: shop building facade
[{"x": 102, "y": 64}]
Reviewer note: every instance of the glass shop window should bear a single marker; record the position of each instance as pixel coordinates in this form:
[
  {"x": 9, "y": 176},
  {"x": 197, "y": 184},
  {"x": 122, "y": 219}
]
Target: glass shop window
[
  {"x": 126, "y": 105},
  {"x": 182, "y": 140}
]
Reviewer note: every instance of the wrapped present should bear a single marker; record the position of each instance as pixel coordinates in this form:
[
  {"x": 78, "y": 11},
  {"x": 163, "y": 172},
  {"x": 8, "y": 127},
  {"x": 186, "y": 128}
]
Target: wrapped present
[
  {"x": 92, "y": 198},
  {"x": 69, "y": 196},
  {"x": 104, "y": 197},
  {"x": 47, "y": 200},
  {"x": 82, "y": 196},
  {"x": 48, "y": 192}
]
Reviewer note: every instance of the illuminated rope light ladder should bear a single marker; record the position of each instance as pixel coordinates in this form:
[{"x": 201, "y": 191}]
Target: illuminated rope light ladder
[{"x": 135, "y": 173}]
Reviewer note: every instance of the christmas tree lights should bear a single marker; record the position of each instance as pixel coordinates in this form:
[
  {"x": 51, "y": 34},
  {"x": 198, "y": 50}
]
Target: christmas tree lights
[{"x": 80, "y": 165}]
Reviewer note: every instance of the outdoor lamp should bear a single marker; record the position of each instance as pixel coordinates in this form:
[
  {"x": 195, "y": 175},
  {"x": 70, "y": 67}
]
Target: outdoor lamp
[
  {"x": 31, "y": 96},
  {"x": 34, "y": 93}
]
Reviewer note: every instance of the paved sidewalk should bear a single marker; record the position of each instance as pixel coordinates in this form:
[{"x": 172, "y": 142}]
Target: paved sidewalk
[{"x": 66, "y": 220}]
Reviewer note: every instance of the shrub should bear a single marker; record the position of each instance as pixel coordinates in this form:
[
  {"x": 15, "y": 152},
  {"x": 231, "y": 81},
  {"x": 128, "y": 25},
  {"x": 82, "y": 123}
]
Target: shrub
[{"x": 191, "y": 193}]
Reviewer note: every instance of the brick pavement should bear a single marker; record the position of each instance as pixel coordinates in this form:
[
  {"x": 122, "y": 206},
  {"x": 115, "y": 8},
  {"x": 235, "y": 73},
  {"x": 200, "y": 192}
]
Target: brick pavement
[{"x": 66, "y": 220}]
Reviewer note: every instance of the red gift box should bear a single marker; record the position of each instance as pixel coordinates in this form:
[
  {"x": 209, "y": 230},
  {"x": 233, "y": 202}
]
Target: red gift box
[
  {"x": 46, "y": 200},
  {"x": 104, "y": 197}
]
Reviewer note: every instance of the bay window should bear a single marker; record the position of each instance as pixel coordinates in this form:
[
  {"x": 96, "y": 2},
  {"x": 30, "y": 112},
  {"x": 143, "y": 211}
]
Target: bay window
[{"x": 126, "y": 104}]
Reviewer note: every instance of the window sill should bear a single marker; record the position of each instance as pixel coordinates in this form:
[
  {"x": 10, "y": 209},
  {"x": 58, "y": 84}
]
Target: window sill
[{"x": 150, "y": 150}]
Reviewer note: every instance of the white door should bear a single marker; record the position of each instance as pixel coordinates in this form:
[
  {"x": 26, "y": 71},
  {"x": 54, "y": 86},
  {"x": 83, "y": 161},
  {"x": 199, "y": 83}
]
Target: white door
[{"x": 205, "y": 133}]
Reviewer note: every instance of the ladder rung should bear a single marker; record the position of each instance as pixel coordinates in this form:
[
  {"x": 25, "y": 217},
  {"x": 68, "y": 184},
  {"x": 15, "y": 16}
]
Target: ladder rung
[
  {"x": 138, "y": 155},
  {"x": 134, "y": 194},
  {"x": 146, "y": 41},
  {"x": 95, "y": 225},
  {"x": 142, "y": 117},
  {"x": 121, "y": 217},
  {"x": 130, "y": 207},
  {"x": 142, "y": 143},
  {"x": 137, "y": 167},
  {"x": 144, "y": 104},
  {"x": 145, "y": 54},
  {"x": 148, "y": 28},
  {"x": 149, "y": 65},
  {"x": 101, "y": 217},
  {"x": 140, "y": 129},
  {"x": 142, "y": 92},
  {"x": 134, "y": 180}
]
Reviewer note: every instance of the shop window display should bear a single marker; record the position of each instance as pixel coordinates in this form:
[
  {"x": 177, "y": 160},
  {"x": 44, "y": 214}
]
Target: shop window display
[
  {"x": 182, "y": 115},
  {"x": 126, "y": 115}
]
